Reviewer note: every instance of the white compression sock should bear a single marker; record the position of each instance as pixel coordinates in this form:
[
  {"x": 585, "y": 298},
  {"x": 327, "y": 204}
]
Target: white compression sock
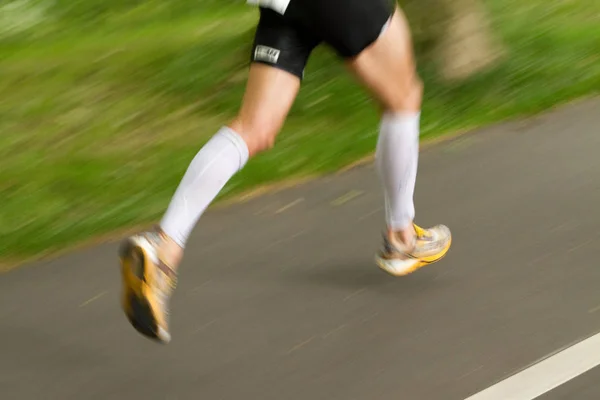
[
  {"x": 397, "y": 159},
  {"x": 221, "y": 157}
]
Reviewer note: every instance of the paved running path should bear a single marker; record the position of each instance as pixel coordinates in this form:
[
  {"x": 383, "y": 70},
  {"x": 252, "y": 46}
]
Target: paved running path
[{"x": 279, "y": 298}]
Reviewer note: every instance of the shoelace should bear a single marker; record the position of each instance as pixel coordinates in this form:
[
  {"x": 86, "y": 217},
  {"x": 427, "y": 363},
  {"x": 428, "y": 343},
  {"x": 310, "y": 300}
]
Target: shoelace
[
  {"x": 168, "y": 277},
  {"x": 422, "y": 233}
]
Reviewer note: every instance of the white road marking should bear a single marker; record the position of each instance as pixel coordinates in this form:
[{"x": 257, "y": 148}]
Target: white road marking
[
  {"x": 351, "y": 195},
  {"x": 287, "y": 207},
  {"x": 547, "y": 374},
  {"x": 298, "y": 346},
  {"x": 85, "y": 303}
]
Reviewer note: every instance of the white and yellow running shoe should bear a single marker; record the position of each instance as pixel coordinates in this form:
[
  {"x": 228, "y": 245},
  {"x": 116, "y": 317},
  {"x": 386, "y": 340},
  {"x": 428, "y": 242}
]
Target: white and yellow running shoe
[
  {"x": 148, "y": 284},
  {"x": 430, "y": 246}
]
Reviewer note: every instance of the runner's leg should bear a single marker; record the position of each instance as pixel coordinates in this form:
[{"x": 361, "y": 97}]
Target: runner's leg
[
  {"x": 386, "y": 67},
  {"x": 149, "y": 260},
  {"x": 269, "y": 96}
]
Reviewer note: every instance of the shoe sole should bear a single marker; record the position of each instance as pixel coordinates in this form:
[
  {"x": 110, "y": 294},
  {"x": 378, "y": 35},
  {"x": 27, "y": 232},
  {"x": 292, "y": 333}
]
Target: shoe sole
[
  {"x": 418, "y": 265},
  {"x": 135, "y": 305}
]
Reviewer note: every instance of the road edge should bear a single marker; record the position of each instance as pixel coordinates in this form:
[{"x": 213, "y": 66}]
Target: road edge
[{"x": 7, "y": 265}]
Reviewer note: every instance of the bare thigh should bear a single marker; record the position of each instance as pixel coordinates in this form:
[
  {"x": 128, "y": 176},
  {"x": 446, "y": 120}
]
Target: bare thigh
[
  {"x": 270, "y": 94},
  {"x": 387, "y": 68}
]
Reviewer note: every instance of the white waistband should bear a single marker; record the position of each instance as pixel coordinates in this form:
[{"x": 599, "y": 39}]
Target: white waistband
[{"x": 276, "y": 5}]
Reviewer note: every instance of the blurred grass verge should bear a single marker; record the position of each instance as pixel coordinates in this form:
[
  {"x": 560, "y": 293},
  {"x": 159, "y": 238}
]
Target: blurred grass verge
[{"x": 104, "y": 103}]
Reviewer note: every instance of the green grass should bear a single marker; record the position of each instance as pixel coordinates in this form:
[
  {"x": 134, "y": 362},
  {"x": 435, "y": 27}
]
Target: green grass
[{"x": 103, "y": 106}]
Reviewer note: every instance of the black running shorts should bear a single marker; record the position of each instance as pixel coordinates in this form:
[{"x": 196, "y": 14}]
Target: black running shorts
[{"x": 348, "y": 26}]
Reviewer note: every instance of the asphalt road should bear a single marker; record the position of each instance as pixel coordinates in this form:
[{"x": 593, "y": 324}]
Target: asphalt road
[{"x": 279, "y": 298}]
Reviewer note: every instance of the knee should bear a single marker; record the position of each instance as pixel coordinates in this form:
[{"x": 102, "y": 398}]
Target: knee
[
  {"x": 409, "y": 96},
  {"x": 258, "y": 133}
]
